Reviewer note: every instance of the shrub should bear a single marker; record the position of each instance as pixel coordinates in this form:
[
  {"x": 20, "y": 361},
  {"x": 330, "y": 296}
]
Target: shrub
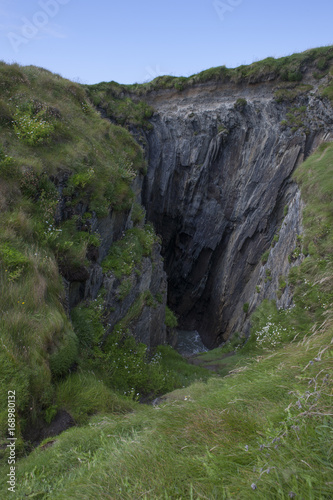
[
  {"x": 65, "y": 356},
  {"x": 170, "y": 318},
  {"x": 240, "y": 104},
  {"x": 264, "y": 257},
  {"x": 246, "y": 307},
  {"x": 33, "y": 130},
  {"x": 82, "y": 395},
  {"x": 127, "y": 253}
]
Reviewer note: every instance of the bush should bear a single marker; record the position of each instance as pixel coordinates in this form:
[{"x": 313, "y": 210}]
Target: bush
[
  {"x": 170, "y": 318},
  {"x": 128, "y": 252},
  {"x": 82, "y": 395},
  {"x": 240, "y": 104},
  {"x": 33, "y": 130},
  {"x": 264, "y": 257},
  {"x": 65, "y": 356}
]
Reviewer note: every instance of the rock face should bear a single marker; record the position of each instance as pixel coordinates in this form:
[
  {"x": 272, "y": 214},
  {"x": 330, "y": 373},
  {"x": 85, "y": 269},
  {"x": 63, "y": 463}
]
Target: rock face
[
  {"x": 219, "y": 179},
  {"x": 146, "y": 280},
  {"x": 148, "y": 325}
]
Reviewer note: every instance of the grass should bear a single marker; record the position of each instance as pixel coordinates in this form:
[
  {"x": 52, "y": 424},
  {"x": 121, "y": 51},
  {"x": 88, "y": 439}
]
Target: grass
[
  {"x": 57, "y": 156},
  {"x": 119, "y": 107},
  {"x": 290, "y": 69},
  {"x": 218, "y": 439},
  {"x": 128, "y": 252},
  {"x": 125, "y": 104},
  {"x": 261, "y": 427}
]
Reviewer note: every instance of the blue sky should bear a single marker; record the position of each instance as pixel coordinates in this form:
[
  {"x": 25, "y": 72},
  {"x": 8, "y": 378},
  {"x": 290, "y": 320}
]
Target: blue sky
[{"x": 130, "y": 41}]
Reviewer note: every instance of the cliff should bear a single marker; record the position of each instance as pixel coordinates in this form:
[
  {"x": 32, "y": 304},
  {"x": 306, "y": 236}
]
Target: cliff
[{"x": 219, "y": 191}]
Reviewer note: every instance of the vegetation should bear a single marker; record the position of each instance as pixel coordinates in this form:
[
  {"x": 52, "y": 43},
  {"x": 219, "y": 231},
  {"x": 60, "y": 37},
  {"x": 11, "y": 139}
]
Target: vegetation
[
  {"x": 170, "y": 318},
  {"x": 240, "y": 104},
  {"x": 127, "y": 253},
  {"x": 295, "y": 118},
  {"x": 264, "y": 257},
  {"x": 113, "y": 98},
  {"x": 288, "y": 93},
  {"x": 288, "y": 69},
  {"x": 62, "y": 167},
  {"x": 263, "y": 432},
  {"x": 261, "y": 428}
]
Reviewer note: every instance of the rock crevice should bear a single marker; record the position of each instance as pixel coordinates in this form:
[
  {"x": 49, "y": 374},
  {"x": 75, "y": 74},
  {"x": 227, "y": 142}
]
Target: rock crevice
[{"x": 218, "y": 182}]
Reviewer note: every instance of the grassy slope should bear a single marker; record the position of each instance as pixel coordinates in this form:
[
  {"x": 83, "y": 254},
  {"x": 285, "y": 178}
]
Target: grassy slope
[
  {"x": 263, "y": 432},
  {"x": 55, "y": 150},
  {"x": 49, "y": 131}
]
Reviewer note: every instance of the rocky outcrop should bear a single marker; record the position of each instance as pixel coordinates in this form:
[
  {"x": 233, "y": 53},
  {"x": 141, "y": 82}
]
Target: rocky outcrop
[
  {"x": 147, "y": 283},
  {"x": 143, "y": 309},
  {"x": 219, "y": 179}
]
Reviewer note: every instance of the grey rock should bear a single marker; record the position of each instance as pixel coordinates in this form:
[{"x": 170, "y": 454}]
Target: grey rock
[
  {"x": 149, "y": 325},
  {"x": 217, "y": 184}
]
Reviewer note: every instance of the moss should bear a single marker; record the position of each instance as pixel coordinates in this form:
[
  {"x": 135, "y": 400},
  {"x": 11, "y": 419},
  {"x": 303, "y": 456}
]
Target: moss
[
  {"x": 264, "y": 257},
  {"x": 240, "y": 104},
  {"x": 65, "y": 356},
  {"x": 288, "y": 71},
  {"x": 170, "y": 318},
  {"x": 127, "y": 253}
]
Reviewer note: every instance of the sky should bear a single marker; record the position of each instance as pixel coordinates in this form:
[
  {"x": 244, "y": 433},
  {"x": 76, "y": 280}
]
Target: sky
[{"x": 133, "y": 41}]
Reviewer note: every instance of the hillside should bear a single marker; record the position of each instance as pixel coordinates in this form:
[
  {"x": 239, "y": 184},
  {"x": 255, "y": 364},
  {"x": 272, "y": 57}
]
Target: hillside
[{"x": 233, "y": 170}]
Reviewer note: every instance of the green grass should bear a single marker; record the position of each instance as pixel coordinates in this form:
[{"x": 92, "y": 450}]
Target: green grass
[
  {"x": 125, "y": 105},
  {"x": 127, "y": 253},
  {"x": 263, "y": 431},
  {"x": 265, "y": 426},
  {"x": 55, "y": 151},
  {"x": 118, "y": 106},
  {"x": 261, "y": 428},
  {"x": 289, "y": 69},
  {"x": 170, "y": 318}
]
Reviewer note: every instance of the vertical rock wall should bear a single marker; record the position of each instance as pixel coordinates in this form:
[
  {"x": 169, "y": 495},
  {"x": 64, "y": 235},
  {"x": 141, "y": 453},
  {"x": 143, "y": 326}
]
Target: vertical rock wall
[{"x": 218, "y": 182}]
